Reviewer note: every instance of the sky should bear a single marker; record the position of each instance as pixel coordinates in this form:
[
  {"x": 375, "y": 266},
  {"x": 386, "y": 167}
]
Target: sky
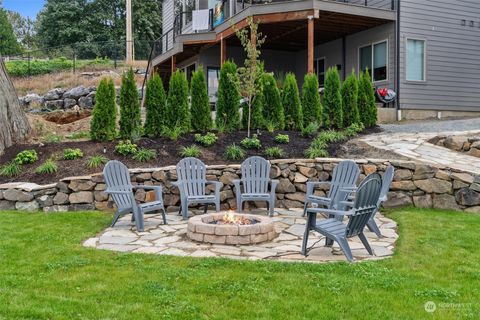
[{"x": 27, "y": 8}]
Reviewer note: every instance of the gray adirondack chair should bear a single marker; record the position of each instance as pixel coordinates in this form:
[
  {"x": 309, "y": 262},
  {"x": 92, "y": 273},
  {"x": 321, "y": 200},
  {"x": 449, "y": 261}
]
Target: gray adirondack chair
[
  {"x": 344, "y": 177},
  {"x": 255, "y": 181},
  {"x": 191, "y": 175},
  {"x": 386, "y": 182},
  {"x": 365, "y": 204},
  {"x": 119, "y": 186}
]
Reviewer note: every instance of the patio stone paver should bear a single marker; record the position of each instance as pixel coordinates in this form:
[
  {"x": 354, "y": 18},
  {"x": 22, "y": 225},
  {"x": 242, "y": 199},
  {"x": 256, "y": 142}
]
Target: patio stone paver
[{"x": 172, "y": 240}]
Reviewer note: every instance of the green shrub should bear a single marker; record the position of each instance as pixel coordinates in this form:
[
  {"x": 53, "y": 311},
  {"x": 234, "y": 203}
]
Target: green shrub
[
  {"x": 144, "y": 155},
  {"x": 48, "y": 167},
  {"x": 202, "y": 115},
  {"x": 191, "y": 151},
  {"x": 52, "y": 138},
  {"x": 282, "y": 138},
  {"x": 349, "y": 94},
  {"x": 228, "y": 102},
  {"x": 78, "y": 135},
  {"x": 319, "y": 143},
  {"x": 291, "y": 103},
  {"x": 354, "y": 129},
  {"x": 310, "y": 130},
  {"x": 311, "y": 106},
  {"x": 172, "y": 133},
  {"x": 274, "y": 152},
  {"x": 10, "y": 169},
  {"x": 155, "y": 106},
  {"x": 130, "y": 123},
  {"x": 104, "y": 119},
  {"x": 26, "y": 157},
  {"x": 23, "y": 68},
  {"x": 126, "y": 148},
  {"x": 177, "y": 102},
  {"x": 251, "y": 143},
  {"x": 96, "y": 161},
  {"x": 72, "y": 154},
  {"x": 206, "y": 140},
  {"x": 273, "y": 111},
  {"x": 234, "y": 152},
  {"x": 366, "y": 100},
  {"x": 314, "y": 152},
  {"x": 331, "y": 136},
  {"x": 332, "y": 100}
]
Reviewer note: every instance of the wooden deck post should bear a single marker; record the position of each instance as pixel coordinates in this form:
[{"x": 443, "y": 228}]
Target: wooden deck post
[
  {"x": 174, "y": 63},
  {"x": 310, "y": 44},
  {"x": 223, "y": 51}
]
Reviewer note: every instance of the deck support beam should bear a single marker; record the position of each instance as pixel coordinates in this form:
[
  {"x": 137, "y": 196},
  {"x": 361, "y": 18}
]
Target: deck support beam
[
  {"x": 311, "y": 43},
  {"x": 174, "y": 64},
  {"x": 223, "y": 51}
]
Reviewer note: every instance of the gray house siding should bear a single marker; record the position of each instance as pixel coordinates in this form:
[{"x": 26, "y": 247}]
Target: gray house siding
[
  {"x": 168, "y": 17},
  {"x": 452, "y": 59}
]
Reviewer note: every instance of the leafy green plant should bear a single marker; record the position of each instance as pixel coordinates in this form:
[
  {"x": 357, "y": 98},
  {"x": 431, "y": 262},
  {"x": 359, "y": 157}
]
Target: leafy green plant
[
  {"x": 96, "y": 161},
  {"x": 144, "y": 155},
  {"x": 270, "y": 126},
  {"x": 282, "y": 138},
  {"x": 349, "y": 92},
  {"x": 291, "y": 103},
  {"x": 274, "y": 152},
  {"x": 251, "y": 143},
  {"x": 10, "y": 169},
  {"x": 314, "y": 152},
  {"x": 48, "y": 167},
  {"x": 366, "y": 100},
  {"x": 191, "y": 151},
  {"x": 26, "y": 157},
  {"x": 130, "y": 123},
  {"x": 206, "y": 140},
  {"x": 228, "y": 103},
  {"x": 234, "y": 152},
  {"x": 311, "y": 106},
  {"x": 72, "y": 154},
  {"x": 126, "y": 147},
  {"x": 156, "y": 107},
  {"x": 202, "y": 121},
  {"x": 78, "y": 135},
  {"x": 272, "y": 107},
  {"x": 104, "y": 119},
  {"x": 354, "y": 129},
  {"x": 52, "y": 138},
  {"x": 172, "y": 133},
  {"x": 319, "y": 143},
  {"x": 332, "y": 100},
  {"x": 330, "y": 136},
  {"x": 310, "y": 130}
]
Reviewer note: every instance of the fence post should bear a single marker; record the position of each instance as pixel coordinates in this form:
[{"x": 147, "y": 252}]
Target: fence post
[
  {"x": 115, "y": 54},
  {"x": 29, "y": 69},
  {"x": 74, "y": 61}
]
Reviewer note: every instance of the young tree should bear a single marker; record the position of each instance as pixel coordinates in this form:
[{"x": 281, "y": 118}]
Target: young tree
[
  {"x": 291, "y": 103},
  {"x": 202, "y": 116},
  {"x": 156, "y": 107},
  {"x": 228, "y": 103},
  {"x": 272, "y": 107},
  {"x": 311, "y": 106},
  {"x": 8, "y": 41},
  {"x": 102, "y": 126},
  {"x": 332, "y": 100},
  {"x": 366, "y": 100},
  {"x": 177, "y": 102},
  {"x": 349, "y": 94},
  {"x": 130, "y": 123},
  {"x": 256, "y": 111}
]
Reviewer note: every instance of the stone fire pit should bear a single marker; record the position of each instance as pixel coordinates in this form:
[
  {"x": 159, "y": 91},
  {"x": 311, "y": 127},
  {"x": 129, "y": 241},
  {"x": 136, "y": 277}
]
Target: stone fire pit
[{"x": 248, "y": 229}]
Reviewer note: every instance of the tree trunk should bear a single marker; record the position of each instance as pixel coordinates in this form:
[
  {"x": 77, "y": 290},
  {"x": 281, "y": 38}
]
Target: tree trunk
[{"x": 14, "y": 126}]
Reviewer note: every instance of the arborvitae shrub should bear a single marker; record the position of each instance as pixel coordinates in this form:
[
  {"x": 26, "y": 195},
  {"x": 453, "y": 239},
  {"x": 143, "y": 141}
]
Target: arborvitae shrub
[
  {"x": 366, "y": 100},
  {"x": 350, "y": 100},
  {"x": 228, "y": 103},
  {"x": 272, "y": 108},
  {"x": 332, "y": 100},
  {"x": 156, "y": 107},
  {"x": 130, "y": 123},
  {"x": 178, "y": 109},
  {"x": 311, "y": 106},
  {"x": 256, "y": 118},
  {"x": 202, "y": 116},
  {"x": 103, "y": 124},
  {"x": 291, "y": 103}
]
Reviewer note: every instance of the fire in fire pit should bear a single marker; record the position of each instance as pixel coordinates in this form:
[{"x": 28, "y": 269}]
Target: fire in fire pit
[{"x": 232, "y": 218}]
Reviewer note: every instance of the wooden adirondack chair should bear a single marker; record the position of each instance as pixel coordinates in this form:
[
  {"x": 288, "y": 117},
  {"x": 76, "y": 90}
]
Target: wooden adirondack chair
[
  {"x": 191, "y": 175},
  {"x": 255, "y": 181},
  {"x": 120, "y": 187},
  {"x": 344, "y": 177}
]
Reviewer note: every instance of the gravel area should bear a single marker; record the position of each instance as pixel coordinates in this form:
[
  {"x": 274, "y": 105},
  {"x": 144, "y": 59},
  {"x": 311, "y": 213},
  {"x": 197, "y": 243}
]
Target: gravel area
[{"x": 439, "y": 126}]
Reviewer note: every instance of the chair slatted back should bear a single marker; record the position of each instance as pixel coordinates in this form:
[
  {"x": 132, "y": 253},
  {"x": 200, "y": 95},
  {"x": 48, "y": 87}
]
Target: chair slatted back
[
  {"x": 255, "y": 175},
  {"x": 365, "y": 205},
  {"x": 117, "y": 178},
  {"x": 387, "y": 181},
  {"x": 345, "y": 174},
  {"x": 192, "y": 173}
]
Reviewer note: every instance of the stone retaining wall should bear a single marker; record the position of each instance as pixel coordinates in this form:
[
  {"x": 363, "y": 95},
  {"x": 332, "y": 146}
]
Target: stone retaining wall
[
  {"x": 414, "y": 183},
  {"x": 468, "y": 144}
]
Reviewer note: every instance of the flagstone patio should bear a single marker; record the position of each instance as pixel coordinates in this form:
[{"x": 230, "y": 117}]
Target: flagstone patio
[{"x": 171, "y": 239}]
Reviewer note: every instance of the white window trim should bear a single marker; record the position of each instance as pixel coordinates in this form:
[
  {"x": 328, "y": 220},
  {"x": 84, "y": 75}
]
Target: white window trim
[
  {"x": 324, "y": 68},
  {"x": 424, "y": 60},
  {"x": 371, "y": 45}
]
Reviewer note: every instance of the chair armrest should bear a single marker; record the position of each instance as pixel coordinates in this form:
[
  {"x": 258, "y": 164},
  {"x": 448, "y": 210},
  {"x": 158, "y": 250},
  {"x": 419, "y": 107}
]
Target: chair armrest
[
  {"x": 347, "y": 203},
  {"x": 110, "y": 191},
  {"x": 330, "y": 211},
  {"x": 236, "y": 184},
  {"x": 383, "y": 199},
  {"x": 273, "y": 185},
  {"x": 157, "y": 189},
  {"x": 311, "y": 185},
  {"x": 177, "y": 183}
]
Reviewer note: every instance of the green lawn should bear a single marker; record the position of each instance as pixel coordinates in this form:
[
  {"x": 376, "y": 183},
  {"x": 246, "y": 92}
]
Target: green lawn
[{"x": 45, "y": 273}]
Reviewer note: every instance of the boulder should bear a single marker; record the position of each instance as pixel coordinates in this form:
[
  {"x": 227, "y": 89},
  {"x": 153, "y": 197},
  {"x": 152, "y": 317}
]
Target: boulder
[
  {"x": 7, "y": 205},
  {"x": 306, "y": 171},
  {"x": 228, "y": 177},
  {"x": 474, "y": 152},
  {"x": 69, "y": 103},
  {"x": 297, "y": 196},
  {"x": 159, "y": 175},
  {"x": 85, "y": 102},
  {"x": 455, "y": 142},
  {"x": 464, "y": 177},
  {"x": 171, "y": 200},
  {"x": 434, "y": 185},
  {"x": 406, "y": 185},
  {"x": 81, "y": 197},
  {"x": 468, "y": 197},
  {"x": 397, "y": 199},
  {"x": 62, "y": 187},
  {"x": 81, "y": 185},
  {"x": 441, "y": 174},
  {"x": 17, "y": 195},
  {"x": 60, "y": 198},
  {"x": 100, "y": 196},
  {"x": 54, "y": 104},
  {"x": 54, "y": 94},
  {"x": 142, "y": 177},
  {"x": 424, "y": 201},
  {"x": 27, "y": 206},
  {"x": 33, "y": 99},
  {"x": 45, "y": 201},
  {"x": 300, "y": 178},
  {"x": 423, "y": 171},
  {"x": 445, "y": 201},
  {"x": 76, "y": 92},
  {"x": 275, "y": 172},
  {"x": 285, "y": 186},
  {"x": 402, "y": 174},
  {"x": 369, "y": 168}
]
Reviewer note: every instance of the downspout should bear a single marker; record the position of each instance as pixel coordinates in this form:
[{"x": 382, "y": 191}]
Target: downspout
[{"x": 397, "y": 62}]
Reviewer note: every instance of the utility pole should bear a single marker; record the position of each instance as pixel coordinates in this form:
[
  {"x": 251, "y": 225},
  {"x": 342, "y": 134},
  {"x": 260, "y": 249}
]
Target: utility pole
[{"x": 129, "y": 33}]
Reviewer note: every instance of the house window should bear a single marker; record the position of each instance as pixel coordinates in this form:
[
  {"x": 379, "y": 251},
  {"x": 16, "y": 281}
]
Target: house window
[
  {"x": 320, "y": 71},
  {"x": 374, "y": 58},
  {"x": 189, "y": 71},
  {"x": 213, "y": 74},
  {"x": 415, "y": 60}
]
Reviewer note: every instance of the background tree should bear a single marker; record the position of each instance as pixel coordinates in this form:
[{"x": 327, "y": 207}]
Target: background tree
[
  {"x": 349, "y": 94},
  {"x": 8, "y": 41},
  {"x": 291, "y": 103},
  {"x": 24, "y": 30},
  {"x": 332, "y": 100},
  {"x": 104, "y": 119},
  {"x": 228, "y": 102},
  {"x": 311, "y": 106},
  {"x": 156, "y": 107},
  {"x": 366, "y": 100},
  {"x": 130, "y": 123},
  {"x": 202, "y": 120},
  {"x": 177, "y": 102},
  {"x": 272, "y": 107}
]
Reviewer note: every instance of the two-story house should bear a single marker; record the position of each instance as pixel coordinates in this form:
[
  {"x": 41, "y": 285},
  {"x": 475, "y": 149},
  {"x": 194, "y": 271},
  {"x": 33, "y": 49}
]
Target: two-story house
[{"x": 425, "y": 50}]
